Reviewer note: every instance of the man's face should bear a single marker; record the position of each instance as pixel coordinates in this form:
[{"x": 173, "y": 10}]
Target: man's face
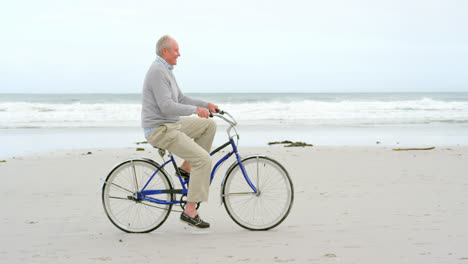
[{"x": 171, "y": 54}]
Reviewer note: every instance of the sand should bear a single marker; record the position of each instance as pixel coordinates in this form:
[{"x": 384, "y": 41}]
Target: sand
[{"x": 352, "y": 205}]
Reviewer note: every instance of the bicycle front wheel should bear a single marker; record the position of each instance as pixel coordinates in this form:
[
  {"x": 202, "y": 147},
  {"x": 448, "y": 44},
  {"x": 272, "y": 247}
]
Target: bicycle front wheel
[
  {"x": 270, "y": 205},
  {"x": 122, "y": 202}
]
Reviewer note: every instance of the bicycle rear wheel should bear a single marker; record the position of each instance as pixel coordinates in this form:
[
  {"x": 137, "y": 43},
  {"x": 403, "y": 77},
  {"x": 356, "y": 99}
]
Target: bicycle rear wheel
[
  {"x": 120, "y": 197},
  {"x": 270, "y": 205}
]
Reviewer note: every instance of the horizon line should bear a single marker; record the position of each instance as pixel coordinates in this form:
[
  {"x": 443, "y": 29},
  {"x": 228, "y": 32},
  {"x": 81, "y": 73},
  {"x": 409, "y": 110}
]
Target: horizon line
[{"x": 331, "y": 92}]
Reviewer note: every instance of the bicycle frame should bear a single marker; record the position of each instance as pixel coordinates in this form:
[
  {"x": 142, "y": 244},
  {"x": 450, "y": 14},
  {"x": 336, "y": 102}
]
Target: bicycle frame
[{"x": 143, "y": 194}]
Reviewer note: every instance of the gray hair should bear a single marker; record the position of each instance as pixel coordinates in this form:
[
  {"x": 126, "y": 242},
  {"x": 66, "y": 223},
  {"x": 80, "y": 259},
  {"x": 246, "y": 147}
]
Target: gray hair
[{"x": 163, "y": 42}]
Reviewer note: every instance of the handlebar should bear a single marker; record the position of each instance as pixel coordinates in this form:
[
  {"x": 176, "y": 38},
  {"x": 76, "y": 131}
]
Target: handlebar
[
  {"x": 218, "y": 111},
  {"x": 220, "y": 114},
  {"x": 228, "y": 119}
]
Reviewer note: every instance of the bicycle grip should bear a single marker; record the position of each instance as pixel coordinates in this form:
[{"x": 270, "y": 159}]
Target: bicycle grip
[{"x": 218, "y": 111}]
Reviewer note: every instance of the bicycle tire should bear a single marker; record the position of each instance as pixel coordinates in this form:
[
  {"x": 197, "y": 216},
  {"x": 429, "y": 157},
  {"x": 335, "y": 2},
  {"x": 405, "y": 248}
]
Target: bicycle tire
[
  {"x": 270, "y": 206},
  {"x": 118, "y": 196}
]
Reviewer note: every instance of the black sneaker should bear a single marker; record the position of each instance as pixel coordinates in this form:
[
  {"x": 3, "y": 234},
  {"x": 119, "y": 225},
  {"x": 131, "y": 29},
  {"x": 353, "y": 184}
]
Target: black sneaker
[{"x": 195, "y": 221}]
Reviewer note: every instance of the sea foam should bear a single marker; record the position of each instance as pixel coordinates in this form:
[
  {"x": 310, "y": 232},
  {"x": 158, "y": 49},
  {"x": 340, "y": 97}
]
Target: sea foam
[{"x": 312, "y": 112}]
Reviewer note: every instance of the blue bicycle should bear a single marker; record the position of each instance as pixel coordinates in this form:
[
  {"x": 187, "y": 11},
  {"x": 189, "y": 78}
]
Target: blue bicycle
[{"x": 257, "y": 192}]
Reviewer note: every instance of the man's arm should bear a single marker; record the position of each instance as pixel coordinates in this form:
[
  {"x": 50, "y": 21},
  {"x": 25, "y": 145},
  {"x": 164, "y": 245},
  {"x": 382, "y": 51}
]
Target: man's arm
[
  {"x": 162, "y": 93},
  {"x": 191, "y": 101},
  {"x": 200, "y": 103}
]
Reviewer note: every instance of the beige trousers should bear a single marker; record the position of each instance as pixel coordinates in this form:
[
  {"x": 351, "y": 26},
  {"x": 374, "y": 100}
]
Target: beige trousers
[{"x": 177, "y": 138}]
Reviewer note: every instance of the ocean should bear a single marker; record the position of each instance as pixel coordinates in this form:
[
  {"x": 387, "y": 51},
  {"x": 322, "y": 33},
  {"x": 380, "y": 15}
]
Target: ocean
[{"x": 43, "y": 122}]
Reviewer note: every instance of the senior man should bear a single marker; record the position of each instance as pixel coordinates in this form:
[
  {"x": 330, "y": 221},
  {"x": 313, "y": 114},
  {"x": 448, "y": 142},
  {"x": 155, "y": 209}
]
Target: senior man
[{"x": 166, "y": 125}]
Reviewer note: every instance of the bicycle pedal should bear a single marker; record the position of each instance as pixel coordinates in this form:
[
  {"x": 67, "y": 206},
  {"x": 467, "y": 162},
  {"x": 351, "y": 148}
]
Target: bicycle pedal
[{"x": 185, "y": 175}]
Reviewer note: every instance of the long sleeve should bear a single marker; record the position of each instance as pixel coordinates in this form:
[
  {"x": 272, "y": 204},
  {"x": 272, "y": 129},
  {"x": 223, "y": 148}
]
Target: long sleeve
[
  {"x": 164, "y": 95},
  {"x": 191, "y": 101}
]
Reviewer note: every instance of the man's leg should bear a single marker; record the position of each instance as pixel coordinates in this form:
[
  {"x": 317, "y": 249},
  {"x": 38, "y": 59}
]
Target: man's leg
[
  {"x": 200, "y": 160},
  {"x": 170, "y": 137},
  {"x": 177, "y": 139},
  {"x": 202, "y": 130}
]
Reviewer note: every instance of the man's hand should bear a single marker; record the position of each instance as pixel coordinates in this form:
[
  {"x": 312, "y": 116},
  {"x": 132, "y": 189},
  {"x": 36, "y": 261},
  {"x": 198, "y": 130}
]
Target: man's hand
[
  {"x": 213, "y": 108},
  {"x": 203, "y": 112}
]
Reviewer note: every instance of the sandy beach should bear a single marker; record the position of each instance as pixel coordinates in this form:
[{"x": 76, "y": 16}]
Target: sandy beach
[
  {"x": 352, "y": 205},
  {"x": 82, "y": 84}
]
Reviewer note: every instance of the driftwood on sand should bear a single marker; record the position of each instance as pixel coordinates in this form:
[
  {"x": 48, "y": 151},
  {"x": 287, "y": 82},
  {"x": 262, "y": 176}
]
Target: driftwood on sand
[
  {"x": 280, "y": 142},
  {"x": 404, "y": 149},
  {"x": 291, "y": 144}
]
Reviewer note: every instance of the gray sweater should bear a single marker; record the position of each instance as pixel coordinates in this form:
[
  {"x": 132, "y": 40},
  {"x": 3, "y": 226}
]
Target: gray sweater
[{"x": 162, "y": 100}]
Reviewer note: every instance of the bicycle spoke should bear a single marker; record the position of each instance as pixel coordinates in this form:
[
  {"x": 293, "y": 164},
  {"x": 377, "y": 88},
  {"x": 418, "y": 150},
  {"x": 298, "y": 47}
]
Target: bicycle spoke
[
  {"x": 154, "y": 206},
  {"x": 121, "y": 188},
  {"x": 239, "y": 193},
  {"x": 121, "y": 198},
  {"x": 258, "y": 175},
  {"x": 135, "y": 177}
]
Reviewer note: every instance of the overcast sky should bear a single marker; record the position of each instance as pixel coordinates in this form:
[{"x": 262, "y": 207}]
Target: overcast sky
[{"x": 236, "y": 46}]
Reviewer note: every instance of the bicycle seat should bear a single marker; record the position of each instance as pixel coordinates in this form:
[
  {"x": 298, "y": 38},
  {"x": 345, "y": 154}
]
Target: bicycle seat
[{"x": 161, "y": 151}]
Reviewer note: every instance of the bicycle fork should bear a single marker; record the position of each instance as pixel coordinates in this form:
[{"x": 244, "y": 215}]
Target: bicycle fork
[{"x": 229, "y": 170}]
